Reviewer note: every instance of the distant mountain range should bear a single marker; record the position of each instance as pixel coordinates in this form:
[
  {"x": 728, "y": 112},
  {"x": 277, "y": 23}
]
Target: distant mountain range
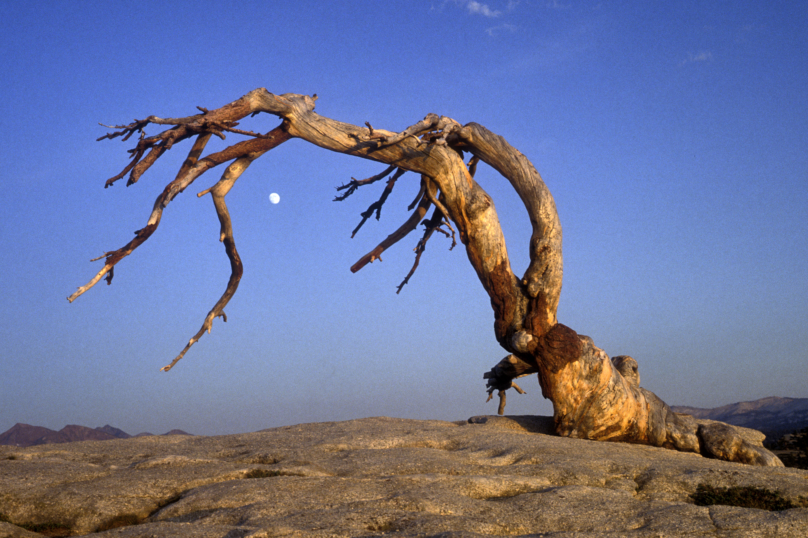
[
  {"x": 773, "y": 416},
  {"x": 27, "y": 435}
]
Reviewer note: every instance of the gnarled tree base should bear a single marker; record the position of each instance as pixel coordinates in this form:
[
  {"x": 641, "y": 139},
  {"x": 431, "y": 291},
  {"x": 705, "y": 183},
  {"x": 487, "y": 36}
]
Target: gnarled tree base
[{"x": 595, "y": 397}]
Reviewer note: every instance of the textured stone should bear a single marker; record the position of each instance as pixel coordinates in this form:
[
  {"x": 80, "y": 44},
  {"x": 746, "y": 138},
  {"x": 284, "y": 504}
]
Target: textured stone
[
  {"x": 491, "y": 476},
  {"x": 732, "y": 443}
]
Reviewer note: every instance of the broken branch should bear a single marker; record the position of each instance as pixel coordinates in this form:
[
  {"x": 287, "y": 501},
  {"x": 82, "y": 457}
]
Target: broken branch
[
  {"x": 356, "y": 183},
  {"x": 430, "y": 226},
  {"x": 377, "y": 205},
  {"x": 394, "y": 237}
]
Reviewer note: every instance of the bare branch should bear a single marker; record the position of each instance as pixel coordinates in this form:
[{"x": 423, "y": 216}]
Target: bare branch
[
  {"x": 417, "y": 197},
  {"x": 356, "y": 183},
  {"x": 374, "y": 135},
  {"x": 241, "y": 131},
  {"x": 500, "y": 378},
  {"x": 432, "y": 129},
  {"x": 502, "y": 396},
  {"x": 445, "y": 127},
  {"x": 146, "y": 163},
  {"x": 143, "y": 234},
  {"x": 430, "y": 225},
  {"x": 126, "y": 130},
  {"x": 449, "y": 235},
  {"x": 428, "y": 192},
  {"x": 221, "y": 119},
  {"x": 426, "y": 124},
  {"x": 157, "y": 144},
  {"x": 138, "y": 153},
  {"x": 377, "y": 205},
  {"x": 218, "y": 192},
  {"x": 190, "y": 170},
  {"x": 394, "y": 237}
]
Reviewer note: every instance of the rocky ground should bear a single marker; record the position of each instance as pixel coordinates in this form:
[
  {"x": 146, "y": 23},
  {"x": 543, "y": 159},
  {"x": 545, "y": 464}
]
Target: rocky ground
[{"x": 501, "y": 476}]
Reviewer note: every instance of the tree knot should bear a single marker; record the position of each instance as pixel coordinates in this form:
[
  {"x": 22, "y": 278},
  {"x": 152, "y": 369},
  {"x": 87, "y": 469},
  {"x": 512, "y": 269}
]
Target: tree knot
[{"x": 558, "y": 347}]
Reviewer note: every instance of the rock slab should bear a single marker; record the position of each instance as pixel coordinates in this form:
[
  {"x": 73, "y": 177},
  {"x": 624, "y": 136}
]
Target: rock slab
[{"x": 498, "y": 476}]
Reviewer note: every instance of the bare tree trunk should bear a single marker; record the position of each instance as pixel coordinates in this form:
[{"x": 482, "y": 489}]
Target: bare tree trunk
[{"x": 593, "y": 397}]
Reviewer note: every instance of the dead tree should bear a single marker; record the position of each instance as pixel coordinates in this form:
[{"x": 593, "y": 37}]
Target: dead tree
[{"x": 594, "y": 397}]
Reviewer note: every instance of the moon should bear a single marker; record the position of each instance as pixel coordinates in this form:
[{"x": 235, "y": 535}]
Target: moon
[{"x": 274, "y": 198}]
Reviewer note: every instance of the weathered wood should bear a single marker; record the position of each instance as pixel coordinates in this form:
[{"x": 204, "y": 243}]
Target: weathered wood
[{"x": 593, "y": 397}]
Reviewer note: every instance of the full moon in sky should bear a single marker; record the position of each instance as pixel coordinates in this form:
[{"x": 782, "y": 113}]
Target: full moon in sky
[{"x": 274, "y": 198}]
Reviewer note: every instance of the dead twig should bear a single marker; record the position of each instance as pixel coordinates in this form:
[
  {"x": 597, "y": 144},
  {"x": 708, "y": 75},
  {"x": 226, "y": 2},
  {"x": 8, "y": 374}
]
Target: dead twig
[
  {"x": 395, "y": 237},
  {"x": 430, "y": 226},
  {"x": 377, "y": 205},
  {"x": 356, "y": 183}
]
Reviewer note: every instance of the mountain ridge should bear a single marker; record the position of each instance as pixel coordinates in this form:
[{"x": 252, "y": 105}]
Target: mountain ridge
[
  {"x": 23, "y": 435},
  {"x": 773, "y": 415}
]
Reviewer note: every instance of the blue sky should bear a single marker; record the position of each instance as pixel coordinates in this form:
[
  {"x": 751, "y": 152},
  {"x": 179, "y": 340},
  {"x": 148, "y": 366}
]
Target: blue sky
[{"x": 672, "y": 135}]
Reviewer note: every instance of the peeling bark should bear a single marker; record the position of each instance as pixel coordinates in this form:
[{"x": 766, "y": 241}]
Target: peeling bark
[{"x": 593, "y": 397}]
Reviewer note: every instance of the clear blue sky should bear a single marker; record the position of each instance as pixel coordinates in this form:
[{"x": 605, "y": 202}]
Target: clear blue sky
[{"x": 673, "y": 136}]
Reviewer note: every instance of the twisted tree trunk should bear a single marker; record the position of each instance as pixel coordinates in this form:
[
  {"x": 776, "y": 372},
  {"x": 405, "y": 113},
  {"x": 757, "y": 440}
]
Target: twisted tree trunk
[{"x": 593, "y": 397}]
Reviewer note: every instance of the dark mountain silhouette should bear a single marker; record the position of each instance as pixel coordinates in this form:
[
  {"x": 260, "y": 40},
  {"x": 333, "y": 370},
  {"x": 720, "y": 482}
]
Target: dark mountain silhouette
[
  {"x": 773, "y": 416},
  {"x": 27, "y": 435},
  {"x": 176, "y": 432},
  {"x": 72, "y": 433},
  {"x": 115, "y": 432}
]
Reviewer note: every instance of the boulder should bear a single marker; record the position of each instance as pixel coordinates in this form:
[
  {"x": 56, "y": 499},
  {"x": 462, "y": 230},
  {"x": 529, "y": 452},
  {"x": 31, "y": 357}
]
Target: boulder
[{"x": 489, "y": 476}]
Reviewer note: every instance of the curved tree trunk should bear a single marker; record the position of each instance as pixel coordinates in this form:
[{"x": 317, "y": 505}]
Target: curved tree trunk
[{"x": 593, "y": 397}]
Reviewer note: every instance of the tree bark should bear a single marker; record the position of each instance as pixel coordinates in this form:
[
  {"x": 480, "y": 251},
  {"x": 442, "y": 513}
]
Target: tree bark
[{"x": 594, "y": 397}]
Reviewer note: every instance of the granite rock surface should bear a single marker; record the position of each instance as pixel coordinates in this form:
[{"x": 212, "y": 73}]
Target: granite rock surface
[{"x": 497, "y": 476}]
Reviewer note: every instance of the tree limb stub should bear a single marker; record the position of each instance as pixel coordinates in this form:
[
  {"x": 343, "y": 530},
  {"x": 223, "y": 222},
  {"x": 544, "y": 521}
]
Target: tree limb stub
[{"x": 593, "y": 397}]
